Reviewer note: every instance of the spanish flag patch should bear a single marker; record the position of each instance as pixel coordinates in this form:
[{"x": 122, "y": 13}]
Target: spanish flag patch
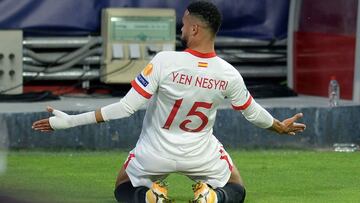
[{"x": 202, "y": 64}]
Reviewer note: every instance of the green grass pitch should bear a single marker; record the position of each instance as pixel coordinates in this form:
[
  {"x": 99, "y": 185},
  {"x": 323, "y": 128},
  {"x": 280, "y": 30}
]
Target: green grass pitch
[{"x": 270, "y": 176}]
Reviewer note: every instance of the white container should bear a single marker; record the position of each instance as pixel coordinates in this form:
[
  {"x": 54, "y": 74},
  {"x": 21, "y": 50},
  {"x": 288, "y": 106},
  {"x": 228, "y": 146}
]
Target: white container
[
  {"x": 334, "y": 92},
  {"x": 345, "y": 147}
]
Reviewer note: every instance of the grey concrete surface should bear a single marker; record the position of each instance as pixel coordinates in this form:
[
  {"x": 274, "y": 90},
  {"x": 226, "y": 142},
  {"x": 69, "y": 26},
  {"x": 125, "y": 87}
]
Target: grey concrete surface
[
  {"x": 87, "y": 103},
  {"x": 325, "y": 125}
]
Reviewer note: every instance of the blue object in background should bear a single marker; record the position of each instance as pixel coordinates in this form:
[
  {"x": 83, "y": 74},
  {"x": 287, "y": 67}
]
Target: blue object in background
[{"x": 257, "y": 19}]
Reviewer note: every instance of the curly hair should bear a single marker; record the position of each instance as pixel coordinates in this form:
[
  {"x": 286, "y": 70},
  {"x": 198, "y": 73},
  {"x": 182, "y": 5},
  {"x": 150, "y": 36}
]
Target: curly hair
[{"x": 206, "y": 12}]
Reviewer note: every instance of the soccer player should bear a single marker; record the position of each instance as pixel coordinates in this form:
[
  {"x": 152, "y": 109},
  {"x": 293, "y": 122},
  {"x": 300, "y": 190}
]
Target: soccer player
[{"x": 184, "y": 90}]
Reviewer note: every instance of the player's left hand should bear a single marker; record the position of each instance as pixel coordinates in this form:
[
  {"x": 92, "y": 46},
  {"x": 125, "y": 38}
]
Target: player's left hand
[{"x": 289, "y": 126}]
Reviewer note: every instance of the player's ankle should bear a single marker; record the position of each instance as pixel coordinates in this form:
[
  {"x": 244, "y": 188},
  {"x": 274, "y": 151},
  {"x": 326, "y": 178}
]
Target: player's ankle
[
  {"x": 203, "y": 193},
  {"x": 158, "y": 193}
]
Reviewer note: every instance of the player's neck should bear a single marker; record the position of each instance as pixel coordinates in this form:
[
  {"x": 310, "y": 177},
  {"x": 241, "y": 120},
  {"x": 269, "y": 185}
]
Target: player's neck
[
  {"x": 207, "y": 47},
  {"x": 203, "y": 49}
]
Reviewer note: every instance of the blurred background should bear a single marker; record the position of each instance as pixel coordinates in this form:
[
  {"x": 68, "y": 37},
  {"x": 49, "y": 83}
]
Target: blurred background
[
  {"x": 85, "y": 46},
  {"x": 80, "y": 55},
  {"x": 294, "y": 55}
]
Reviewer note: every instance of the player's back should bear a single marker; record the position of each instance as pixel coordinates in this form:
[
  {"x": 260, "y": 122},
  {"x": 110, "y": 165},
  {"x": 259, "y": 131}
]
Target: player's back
[{"x": 181, "y": 113}]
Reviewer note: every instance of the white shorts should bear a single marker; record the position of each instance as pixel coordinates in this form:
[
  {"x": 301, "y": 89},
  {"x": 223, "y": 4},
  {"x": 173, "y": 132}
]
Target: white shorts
[{"x": 144, "y": 166}]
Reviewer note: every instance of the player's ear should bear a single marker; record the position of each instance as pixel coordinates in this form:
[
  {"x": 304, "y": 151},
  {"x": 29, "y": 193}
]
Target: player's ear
[{"x": 194, "y": 29}]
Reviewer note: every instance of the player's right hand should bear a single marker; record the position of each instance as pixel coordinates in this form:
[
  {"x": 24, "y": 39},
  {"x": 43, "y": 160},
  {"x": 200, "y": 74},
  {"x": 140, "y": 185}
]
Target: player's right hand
[
  {"x": 289, "y": 126},
  {"x": 60, "y": 120}
]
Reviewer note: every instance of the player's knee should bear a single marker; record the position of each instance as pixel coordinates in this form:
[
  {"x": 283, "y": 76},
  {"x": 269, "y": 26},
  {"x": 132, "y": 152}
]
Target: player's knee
[
  {"x": 124, "y": 192},
  {"x": 232, "y": 193},
  {"x": 239, "y": 190}
]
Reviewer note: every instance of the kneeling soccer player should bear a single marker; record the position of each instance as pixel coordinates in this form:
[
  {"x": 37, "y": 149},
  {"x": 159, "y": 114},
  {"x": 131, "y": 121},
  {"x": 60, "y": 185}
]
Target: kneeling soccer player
[{"x": 184, "y": 90}]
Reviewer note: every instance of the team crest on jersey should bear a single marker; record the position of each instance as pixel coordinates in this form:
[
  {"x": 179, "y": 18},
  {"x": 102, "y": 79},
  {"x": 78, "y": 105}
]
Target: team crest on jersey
[
  {"x": 142, "y": 80},
  {"x": 202, "y": 64},
  {"x": 148, "y": 69}
]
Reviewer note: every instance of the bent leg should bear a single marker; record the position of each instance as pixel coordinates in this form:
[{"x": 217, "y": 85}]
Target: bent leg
[
  {"x": 235, "y": 177},
  {"x": 122, "y": 177},
  {"x": 137, "y": 175},
  {"x": 126, "y": 192},
  {"x": 234, "y": 191}
]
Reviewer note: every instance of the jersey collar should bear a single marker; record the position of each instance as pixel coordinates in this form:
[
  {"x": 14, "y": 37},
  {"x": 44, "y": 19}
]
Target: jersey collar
[{"x": 201, "y": 55}]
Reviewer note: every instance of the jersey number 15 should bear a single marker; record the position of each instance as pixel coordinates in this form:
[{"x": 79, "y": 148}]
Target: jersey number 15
[{"x": 193, "y": 112}]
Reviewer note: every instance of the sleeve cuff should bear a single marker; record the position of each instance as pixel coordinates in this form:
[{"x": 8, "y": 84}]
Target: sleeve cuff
[
  {"x": 140, "y": 90},
  {"x": 243, "y": 107}
]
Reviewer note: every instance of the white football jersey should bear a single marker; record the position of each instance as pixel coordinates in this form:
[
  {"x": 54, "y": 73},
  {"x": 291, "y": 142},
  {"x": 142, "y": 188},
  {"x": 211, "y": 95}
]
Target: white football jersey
[{"x": 185, "y": 89}]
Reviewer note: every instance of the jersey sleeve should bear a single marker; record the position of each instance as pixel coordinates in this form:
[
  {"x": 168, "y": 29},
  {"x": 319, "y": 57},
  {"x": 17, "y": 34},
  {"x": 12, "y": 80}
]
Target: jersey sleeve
[
  {"x": 125, "y": 107},
  {"x": 242, "y": 100},
  {"x": 147, "y": 82},
  {"x": 238, "y": 93}
]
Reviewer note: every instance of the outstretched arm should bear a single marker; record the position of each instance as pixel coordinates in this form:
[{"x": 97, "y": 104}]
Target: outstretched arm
[
  {"x": 257, "y": 115},
  {"x": 61, "y": 120},
  {"x": 124, "y": 108}
]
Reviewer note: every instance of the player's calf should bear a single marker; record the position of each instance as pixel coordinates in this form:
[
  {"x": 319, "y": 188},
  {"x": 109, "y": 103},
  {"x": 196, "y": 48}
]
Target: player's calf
[
  {"x": 127, "y": 193},
  {"x": 231, "y": 193}
]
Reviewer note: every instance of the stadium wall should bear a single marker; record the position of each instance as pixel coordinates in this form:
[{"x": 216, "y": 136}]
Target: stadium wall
[{"x": 325, "y": 126}]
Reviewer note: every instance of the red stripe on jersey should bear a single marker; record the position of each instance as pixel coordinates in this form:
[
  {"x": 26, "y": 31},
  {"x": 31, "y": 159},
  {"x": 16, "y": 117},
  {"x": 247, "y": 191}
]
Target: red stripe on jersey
[
  {"x": 140, "y": 90},
  {"x": 226, "y": 158},
  {"x": 243, "y": 107},
  {"x": 201, "y": 55},
  {"x": 131, "y": 156}
]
